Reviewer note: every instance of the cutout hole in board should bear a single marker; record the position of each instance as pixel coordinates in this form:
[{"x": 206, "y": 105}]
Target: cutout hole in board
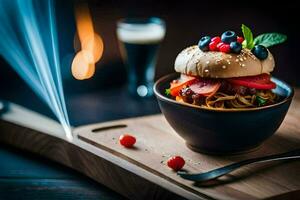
[{"x": 105, "y": 128}]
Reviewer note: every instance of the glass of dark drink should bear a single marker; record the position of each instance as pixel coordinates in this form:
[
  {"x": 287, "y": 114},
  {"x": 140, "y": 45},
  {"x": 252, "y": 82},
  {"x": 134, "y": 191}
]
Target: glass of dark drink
[{"x": 139, "y": 42}]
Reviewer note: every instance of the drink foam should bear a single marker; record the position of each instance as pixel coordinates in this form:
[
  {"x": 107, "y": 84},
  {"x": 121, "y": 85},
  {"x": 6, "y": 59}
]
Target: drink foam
[{"x": 141, "y": 33}]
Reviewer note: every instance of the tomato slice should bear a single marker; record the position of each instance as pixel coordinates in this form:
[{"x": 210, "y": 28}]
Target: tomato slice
[
  {"x": 177, "y": 85},
  {"x": 205, "y": 87},
  {"x": 262, "y": 82}
]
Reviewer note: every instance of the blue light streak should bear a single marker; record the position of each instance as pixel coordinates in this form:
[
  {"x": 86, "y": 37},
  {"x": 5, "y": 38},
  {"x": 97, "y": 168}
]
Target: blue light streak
[{"x": 29, "y": 43}]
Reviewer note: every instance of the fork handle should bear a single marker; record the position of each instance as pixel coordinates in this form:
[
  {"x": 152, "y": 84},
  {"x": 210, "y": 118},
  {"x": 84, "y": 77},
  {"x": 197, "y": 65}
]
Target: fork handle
[
  {"x": 282, "y": 156},
  {"x": 229, "y": 168}
]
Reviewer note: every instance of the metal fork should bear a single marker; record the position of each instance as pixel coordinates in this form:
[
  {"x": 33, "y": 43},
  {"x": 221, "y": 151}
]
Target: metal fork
[{"x": 213, "y": 174}]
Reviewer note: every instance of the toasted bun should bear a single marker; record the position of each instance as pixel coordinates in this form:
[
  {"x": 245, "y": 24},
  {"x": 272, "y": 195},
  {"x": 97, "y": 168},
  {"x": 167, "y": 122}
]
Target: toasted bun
[{"x": 213, "y": 64}]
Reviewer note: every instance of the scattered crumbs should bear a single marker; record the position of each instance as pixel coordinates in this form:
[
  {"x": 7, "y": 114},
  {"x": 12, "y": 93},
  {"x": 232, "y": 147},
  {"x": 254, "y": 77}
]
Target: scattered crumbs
[
  {"x": 236, "y": 60},
  {"x": 243, "y": 65},
  {"x": 146, "y": 149},
  {"x": 206, "y": 70},
  {"x": 162, "y": 162},
  {"x": 241, "y": 59},
  {"x": 207, "y": 62},
  {"x": 166, "y": 156},
  {"x": 113, "y": 138},
  {"x": 224, "y": 66},
  {"x": 192, "y": 162},
  {"x": 230, "y": 56}
]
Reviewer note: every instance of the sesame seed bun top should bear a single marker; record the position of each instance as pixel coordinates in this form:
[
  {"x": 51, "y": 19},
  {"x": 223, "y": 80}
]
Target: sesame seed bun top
[{"x": 213, "y": 64}]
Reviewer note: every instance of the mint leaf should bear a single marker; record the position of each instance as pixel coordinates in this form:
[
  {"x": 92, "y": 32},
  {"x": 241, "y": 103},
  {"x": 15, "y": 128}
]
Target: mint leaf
[
  {"x": 167, "y": 91},
  {"x": 270, "y": 39},
  {"x": 248, "y": 36},
  {"x": 261, "y": 101}
]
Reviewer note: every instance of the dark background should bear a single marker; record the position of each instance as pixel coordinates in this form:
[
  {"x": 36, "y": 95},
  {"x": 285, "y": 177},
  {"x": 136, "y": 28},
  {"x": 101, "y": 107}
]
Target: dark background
[{"x": 104, "y": 97}]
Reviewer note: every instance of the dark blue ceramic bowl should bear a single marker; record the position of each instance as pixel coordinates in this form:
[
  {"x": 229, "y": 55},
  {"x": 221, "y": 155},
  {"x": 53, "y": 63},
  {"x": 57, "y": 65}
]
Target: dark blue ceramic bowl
[{"x": 223, "y": 131}]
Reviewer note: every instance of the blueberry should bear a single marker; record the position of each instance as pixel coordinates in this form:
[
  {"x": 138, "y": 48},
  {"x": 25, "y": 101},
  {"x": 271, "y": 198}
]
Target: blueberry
[
  {"x": 260, "y": 52},
  {"x": 228, "y": 37},
  {"x": 204, "y": 42},
  {"x": 235, "y": 47}
]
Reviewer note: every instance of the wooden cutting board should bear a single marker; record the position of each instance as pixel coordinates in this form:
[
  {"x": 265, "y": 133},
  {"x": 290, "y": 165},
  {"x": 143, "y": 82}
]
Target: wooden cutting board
[{"x": 141, "y": 172}]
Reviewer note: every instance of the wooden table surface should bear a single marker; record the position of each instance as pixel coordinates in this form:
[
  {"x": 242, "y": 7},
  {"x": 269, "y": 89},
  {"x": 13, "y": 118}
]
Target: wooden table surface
[
  {"x": 267, "y": 181},
  {"x": 26, "y": 176}
]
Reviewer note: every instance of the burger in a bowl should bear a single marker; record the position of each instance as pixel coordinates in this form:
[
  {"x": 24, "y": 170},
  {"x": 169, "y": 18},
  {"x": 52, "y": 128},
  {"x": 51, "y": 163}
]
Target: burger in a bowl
[
  {"x": 220, "y": 73},
  {"x": 223, "y": 98}
]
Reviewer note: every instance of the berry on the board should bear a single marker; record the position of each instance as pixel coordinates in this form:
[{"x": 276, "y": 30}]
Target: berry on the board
[
  {"x": 213, "y": 46},
  {"x": 127, "y": 140},
  {"x": 204, "y": 43},
  {"x": 176, "y": 163},
  {"x": 225, "y": 48},
  {"x": 240, "y": 39},
  {"x": 260, "y": 52},
  {"x": 216, "y": 39},
  {"x": 228, "y": 37},
  {"x": 235, "y": 47}
]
